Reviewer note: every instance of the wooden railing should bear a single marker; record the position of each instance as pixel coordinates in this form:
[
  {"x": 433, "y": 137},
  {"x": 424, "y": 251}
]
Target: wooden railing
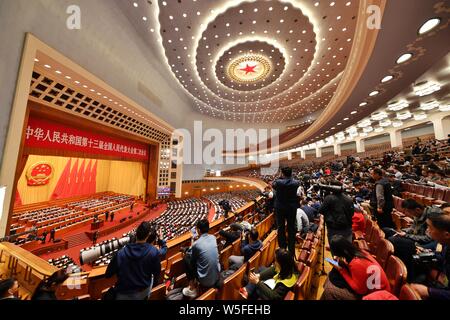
[
  {"x": 30, "y": 270},
  {"x": 27, "y": 268}
]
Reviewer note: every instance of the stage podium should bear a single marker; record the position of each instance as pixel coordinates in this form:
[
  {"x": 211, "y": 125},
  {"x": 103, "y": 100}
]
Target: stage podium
[{"x": 97, "y": 224}]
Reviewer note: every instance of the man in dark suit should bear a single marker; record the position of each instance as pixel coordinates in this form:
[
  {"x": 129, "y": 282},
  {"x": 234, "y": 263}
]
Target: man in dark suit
[
  {"x": 286, "y": 204},
  {"x": 106, "y": 216},
  {"x": 52, "y": 235},
  {"x": 112, "y": 216}
]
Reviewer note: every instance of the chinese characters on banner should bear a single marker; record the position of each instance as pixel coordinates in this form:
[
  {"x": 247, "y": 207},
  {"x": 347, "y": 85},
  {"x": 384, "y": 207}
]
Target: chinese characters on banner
[{"x": 44, "y": 134}]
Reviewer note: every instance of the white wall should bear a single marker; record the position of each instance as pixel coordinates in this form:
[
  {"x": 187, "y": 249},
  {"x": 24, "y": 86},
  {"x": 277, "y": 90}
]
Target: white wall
[{"x": 417, "y": 132}]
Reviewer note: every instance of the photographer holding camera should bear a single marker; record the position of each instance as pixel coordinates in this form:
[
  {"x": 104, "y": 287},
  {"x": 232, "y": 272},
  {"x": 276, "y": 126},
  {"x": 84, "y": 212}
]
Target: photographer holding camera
[
  {"x": 415, "y": 238},
  {"x": 137, "y": 266},
  {"x": 250, "y": 245},
  {"x": 337, "y": 209},
  {"x": 438, "y": 289}
]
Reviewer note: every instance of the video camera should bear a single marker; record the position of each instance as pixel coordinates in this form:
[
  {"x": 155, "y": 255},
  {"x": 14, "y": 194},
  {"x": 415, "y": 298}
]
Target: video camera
[
  {"x": 426, "y": 259},
  {"x": 92, "y": 254}
]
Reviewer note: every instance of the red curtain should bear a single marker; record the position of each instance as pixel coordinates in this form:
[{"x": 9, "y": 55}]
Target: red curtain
[
  {"x": 62, "y": 182},
  {"x": 84, "y": 189},
  {"x": 93, "y": 179},
  {"x": 80, "y": 179},
  {"x": 70, "y": 186},
  {"x": 18, "y": 200}
]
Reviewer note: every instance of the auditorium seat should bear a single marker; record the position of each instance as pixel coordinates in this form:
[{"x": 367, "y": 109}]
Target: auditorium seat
[
  {"x": 303, "y": 256},
  {"x": 396, "y": 217},
  {"x": 408, "y": 293},
  {"x": 236, "y": 245},
  {"x": 290, "y": 296},
  {"x": 377, "y": 235},
  {"x": 232, "y": 284},
  {"x": 209, "y": 295},
  {"x": 264, "y": 254},
  {"x": 384, "y": 250},
  {"x": 225, "y": 254},
  {"x": 396, "y": 273},
  {"x": 301, "y": 287},
  {"x": 406, "y": 222},
  {"x": 158, "y": 292},
  {"x": 254, "y": 262},
  {"x": 177, "y": 268}
]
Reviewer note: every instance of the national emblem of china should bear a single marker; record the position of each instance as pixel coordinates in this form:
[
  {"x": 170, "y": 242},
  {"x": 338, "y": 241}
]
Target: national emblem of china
[{"x": 39, "y": 174}]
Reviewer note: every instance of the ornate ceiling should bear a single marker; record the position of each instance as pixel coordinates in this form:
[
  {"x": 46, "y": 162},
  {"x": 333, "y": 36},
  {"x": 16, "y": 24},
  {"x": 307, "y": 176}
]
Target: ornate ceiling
[{"x": 255, "y": 61}]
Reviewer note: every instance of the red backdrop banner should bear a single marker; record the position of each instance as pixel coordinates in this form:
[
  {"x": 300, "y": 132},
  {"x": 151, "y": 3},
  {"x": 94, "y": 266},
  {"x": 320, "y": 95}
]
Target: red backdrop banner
[{"x": 44, "y": 134}]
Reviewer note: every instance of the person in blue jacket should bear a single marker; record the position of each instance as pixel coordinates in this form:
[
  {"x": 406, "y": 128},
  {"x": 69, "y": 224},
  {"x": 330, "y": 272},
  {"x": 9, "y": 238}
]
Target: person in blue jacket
[
  {"x": 250, "y": 245},
  {"x": 137, "y": 266}
]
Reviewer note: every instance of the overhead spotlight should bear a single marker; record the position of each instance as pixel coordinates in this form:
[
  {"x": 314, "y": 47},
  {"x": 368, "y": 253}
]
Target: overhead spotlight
[
  {"x": 429, "y": 25},
  {"x": 374, "y": 93},
  {"x": 386, "y": 79},
  {"x": 404, "y": 57}
]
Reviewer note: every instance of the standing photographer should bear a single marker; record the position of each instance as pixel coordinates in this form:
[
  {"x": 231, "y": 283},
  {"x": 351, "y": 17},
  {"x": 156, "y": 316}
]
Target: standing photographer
[
  {"x": 286, "y": 204},
  {"x": 137, "y": 266},
  {"x": 337, "y": 209}
]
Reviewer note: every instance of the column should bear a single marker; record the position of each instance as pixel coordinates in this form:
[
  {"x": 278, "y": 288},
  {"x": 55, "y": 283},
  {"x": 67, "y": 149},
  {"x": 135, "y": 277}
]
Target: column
[
  {"x": 360, "y": 145},
  {"x": 441, "y": 128},
  {"x": 289, "y": 156},
  {"x": 303, "y": 154},
  {"x": 396, "y": 138},
  {"x": 318, "y": 152},
  {"x": 337, "y": 149}
]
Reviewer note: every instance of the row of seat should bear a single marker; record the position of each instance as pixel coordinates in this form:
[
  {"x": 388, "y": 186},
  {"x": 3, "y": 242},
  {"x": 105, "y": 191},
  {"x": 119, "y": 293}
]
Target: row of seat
[
  {"x": 424, "y": 194},
  {"x": 383, "y": 251}
]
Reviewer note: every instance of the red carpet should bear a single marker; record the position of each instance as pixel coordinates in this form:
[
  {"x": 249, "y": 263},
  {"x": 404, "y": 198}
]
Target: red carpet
[{"x": 74, "y": 252}]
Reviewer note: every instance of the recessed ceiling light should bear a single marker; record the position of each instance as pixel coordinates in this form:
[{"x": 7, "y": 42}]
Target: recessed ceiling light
[
  {"x": 144, "y": 18},
  {"x": 164, "y": 3},
  {"x": 387, "y": 78},
  {"x": 374, "y": 93},
  {"x": 404, "y": 57},
  {"x": 332, "y": 4},
  {"x": 36, "y": 60},
  {"x": 429, "y": 25},
  {"x": 47, "y": 66},
  {"x": 135, "y": 4},
  {"x": 353, "y": 112},
  {"x": 362, "y": 104}
]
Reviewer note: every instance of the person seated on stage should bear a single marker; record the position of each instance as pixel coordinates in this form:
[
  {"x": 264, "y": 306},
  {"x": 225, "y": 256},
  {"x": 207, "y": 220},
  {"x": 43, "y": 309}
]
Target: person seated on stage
[
  {"x": 47, "y": 288},
  {"x": 250, "y": 245},
  {"x": 351, "y": 279},
  {"x": 9, "y": 289},
  {"x": 202, "y": 261},
  {"x": 439, "y": 230},
  {"x": 137, "y": 266},
  {"x": 275, "y": 282},
  {"x": 230, "y": 235}
]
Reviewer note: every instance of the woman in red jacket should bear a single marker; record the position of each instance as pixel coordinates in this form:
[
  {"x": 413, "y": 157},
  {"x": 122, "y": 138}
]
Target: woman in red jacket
[{"x": 356, "y": 274}]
